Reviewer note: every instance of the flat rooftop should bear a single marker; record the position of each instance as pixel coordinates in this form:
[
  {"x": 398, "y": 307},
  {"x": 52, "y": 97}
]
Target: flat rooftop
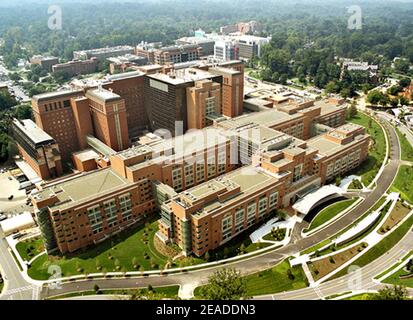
[
  {"x": 222, "y": 69},
  {"x": 106, "y": 49},
  {"x": 103, "y": 95},
  {"x": 327, "y": 107},
  {"x": 249, "y": 179},
  {"x": 33, "y": 132},
  {"x": 268, "y": 118},
  {"x": 192, "y": 142},
  {"x": 57, "y": 94},
  {"x": 328, "y": 147},
  {"x": 88, "y": 154},
  {"x": 125, "y": 75},
  {"x": 83, "y": 188},
  {"x": 182, "y": 76}
]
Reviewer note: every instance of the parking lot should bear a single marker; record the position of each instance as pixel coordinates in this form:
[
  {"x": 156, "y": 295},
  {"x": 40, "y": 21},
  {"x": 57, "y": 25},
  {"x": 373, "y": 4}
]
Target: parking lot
[{"x": 10, "y": 187}]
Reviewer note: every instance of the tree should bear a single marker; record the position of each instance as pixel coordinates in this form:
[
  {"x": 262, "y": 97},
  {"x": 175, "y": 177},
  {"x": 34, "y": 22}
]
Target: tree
[
  {"x": 391, "y": 293},
  {"x": 61, "y": 76},
  {"x": 338, "y": 181},
  {"x": 23, "y": 111},
  {"x": 207, "y": 256},
  {"x": 401, "y": 65},
  {"x": 4, "y": 143},
  {"x": 242, "y": 248},
  {"x": 394, "y": 90},
  {"x": 405, "y": 82},
  {"x": 225, "y": 284},
  {"x": 6, "y": 100},
  {"x": 376, "y": 97},
  {"x": 146, "y": 295},
  {"x": 352, "y": 111}
]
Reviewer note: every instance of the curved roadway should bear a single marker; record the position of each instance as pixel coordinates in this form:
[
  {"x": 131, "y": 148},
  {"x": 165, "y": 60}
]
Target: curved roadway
[{"x": 263, "y": 261}]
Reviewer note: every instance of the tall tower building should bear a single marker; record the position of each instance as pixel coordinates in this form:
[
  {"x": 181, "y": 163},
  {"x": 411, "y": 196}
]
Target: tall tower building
[
  {"x": 53, "y": 113},
  {"x": 203, "y": 103},
  {"x": 232, "y": 90},
  {"x": 109, "y": 118}
]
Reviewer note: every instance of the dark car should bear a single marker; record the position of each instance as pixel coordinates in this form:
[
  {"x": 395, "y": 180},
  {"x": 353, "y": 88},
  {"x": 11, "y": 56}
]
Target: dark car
[
  {"x": 11, "y": 197},
  {"x": 17, "y": 235}
]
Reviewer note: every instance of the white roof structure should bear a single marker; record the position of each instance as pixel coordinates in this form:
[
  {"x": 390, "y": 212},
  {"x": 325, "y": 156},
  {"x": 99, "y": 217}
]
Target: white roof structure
[
  {"x": 28, "y": 171},
  {"x": 305, "y": 205},
  {"x": 17, "y": 223}
]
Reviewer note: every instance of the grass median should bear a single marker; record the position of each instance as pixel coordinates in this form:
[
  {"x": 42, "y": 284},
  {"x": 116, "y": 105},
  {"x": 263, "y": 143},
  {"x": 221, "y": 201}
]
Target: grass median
[
  {"x": 380, "y": 248},
  {"x": 280, "y": 278},
  {"x": 329, "y": 213}
]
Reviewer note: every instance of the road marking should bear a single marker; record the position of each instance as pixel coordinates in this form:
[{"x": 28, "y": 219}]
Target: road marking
[{"x": 19, "y": 290}]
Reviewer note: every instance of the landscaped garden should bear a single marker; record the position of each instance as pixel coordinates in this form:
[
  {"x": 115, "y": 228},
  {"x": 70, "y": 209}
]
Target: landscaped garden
[
  {"x": 280, "y": 278},
  {"x": 404, "y": 183},
  {"x": 332, "y": 248},
  {"x": 30, "y": 248},
  {"x": 399, "y": 212},
  {"x": 405, "y": 146},
  {"x": 382, "y": 247},
  {"x": 402, "y": 277},
  {"x": 132, "y": 250},
  {"x": 371, "y": 166},
  {"x": 276, "y": 234},
  {"x": 329, "y": 213},
  {"x": 355, "y": 185},
  {"x": 325, "y": 266}
]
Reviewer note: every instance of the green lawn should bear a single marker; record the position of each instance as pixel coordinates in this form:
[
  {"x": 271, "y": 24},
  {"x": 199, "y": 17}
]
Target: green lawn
[
  {"x": 380, "y": 248},
  {"x": 119, "y": 253},
  {"x": 272, "y": 280},
  {"x": 406, "y": 147},
  {"x": 394, "y": 266},
  {"x": 276, "y": 280},
  {"x": 371, "y": 166},
  {"x": 395, "y": 279},
  {"x": 170, "y": 292},
  {"x": 404, "y": 183},
  {"x": 329, "y": 213},
  {"x": 28, "y": 249},
  {"x": 277, "y": 235},
  {"x": 326, "y": 241},
  {"x": 362, "y": 296}
]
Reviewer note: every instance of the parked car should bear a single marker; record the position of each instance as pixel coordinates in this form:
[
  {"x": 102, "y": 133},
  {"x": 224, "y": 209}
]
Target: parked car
[
  {"x": 11, "y": 197},
  {"x": 17, "y": 235},
  {"x": 2, "y": 217}
]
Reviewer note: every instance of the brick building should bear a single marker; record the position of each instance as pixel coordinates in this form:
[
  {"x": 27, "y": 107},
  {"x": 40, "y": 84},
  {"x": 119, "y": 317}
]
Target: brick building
[
  {"x": 77, "y": 67},
  {"x": 37, "y": 148},
  {"x": 45, "y": 62},
  {"x": 86, "y": 210}
]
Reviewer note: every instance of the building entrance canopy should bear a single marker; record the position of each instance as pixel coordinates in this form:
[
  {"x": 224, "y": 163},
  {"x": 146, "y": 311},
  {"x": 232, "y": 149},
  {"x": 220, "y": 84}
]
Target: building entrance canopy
[{"x": 317, "y": 197}]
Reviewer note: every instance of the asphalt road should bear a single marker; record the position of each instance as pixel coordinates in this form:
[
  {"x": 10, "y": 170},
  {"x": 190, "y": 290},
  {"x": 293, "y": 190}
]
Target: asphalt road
[
  {"x": 362, "y": 279},
  {"x": 16, "y": 287},
  {"x": 257, "y": 263}
]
